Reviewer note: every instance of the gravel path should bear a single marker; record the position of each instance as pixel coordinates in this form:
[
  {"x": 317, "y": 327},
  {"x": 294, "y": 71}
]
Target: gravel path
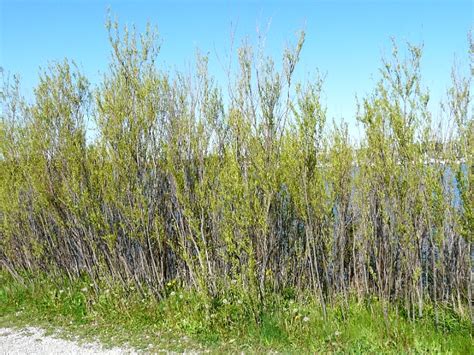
[{"x": 34, "y": 341}]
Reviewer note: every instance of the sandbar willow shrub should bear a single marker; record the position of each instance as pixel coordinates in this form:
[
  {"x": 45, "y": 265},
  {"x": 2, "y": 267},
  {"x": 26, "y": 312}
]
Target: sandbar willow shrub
[{"x": 255, "y": 192}]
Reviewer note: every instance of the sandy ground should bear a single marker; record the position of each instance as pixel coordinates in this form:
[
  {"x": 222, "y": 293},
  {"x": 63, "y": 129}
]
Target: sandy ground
[{"x": 34, "y": 341}]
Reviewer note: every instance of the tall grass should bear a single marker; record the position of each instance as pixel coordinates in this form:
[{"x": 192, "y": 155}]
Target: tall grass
[
  {"x": 184, "y": 321},
  {"x": 255, "y": 193}
]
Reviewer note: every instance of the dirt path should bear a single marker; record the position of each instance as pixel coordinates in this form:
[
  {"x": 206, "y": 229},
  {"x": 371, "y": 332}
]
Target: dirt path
[{"x": 34, "y": 341}]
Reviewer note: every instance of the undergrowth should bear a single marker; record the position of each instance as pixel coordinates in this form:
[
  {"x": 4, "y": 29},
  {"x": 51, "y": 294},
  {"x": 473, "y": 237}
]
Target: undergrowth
[{"x": 184, "y": 320}]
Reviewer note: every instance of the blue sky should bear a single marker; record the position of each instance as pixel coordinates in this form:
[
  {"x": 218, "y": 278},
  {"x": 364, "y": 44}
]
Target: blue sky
[{"x": 345, "y": 39}]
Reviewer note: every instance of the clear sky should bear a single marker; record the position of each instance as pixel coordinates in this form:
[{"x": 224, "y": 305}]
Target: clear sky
[{"x": 345, "y": 39}]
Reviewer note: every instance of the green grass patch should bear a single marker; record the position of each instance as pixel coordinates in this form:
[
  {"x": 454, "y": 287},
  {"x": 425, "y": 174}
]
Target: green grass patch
[{"x": 186, "y": 321}]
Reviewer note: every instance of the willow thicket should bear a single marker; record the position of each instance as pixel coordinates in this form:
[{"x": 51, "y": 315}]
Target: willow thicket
[{"x": 256, "y": 192}]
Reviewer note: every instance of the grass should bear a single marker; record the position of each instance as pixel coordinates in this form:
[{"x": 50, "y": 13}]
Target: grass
[{"x": 185, "y": 321}]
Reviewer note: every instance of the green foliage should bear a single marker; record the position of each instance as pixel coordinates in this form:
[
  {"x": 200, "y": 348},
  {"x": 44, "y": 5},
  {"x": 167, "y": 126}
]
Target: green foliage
[
  {"x": 250, "y": 198},
  {"x": 184, "y": 321}
]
